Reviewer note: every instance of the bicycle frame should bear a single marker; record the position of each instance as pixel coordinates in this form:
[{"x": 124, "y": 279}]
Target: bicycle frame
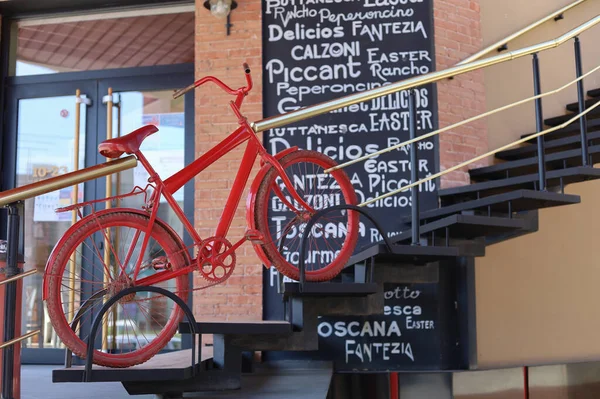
[{"x": 166, "y": 188}]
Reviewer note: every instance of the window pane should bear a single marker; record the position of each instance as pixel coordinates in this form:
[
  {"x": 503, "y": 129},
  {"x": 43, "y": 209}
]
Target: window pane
[{"x": 45, "y": 148}]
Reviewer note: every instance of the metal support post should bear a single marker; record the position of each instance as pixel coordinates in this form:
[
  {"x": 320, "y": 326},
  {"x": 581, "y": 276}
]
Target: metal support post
[
  {"x": 539, "y": 122},
  {"x": 585, "y": 160},
  {"x": 414, "y": 168},
  {"x": 10, "y": 300}
]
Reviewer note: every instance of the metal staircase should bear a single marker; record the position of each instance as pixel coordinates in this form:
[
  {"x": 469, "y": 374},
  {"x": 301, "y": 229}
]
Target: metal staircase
[{"x": 502, "y": 201}]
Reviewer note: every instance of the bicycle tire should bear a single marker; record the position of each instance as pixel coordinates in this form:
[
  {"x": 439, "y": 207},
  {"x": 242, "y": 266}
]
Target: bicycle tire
[
  {"x": 84, "y": 229},
  {"x": 270, "y": 247}
]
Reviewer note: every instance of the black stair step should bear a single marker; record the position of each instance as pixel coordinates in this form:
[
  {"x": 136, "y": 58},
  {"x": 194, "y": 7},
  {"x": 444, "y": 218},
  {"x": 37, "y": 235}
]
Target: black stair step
[
  {"x": 574, "y": 107},
  {"x": 469, "y": 227},
  {"x": 568, "y": 131},
  {"x": 289, "y": 380},
  {"x": 259, "y": 327},
  {"x": 163, "y": 367},
  {"x": 407, "y": 254},
  {"x": 557, "y": 160},
  {"x": 484, "y": 189},
  {"x": 557, "y": 120},
  {"x": 318, "y": 290},
  {"x": 519, "y": 200},
  {"x": 594, "y": 93},
  {"x": 555, "y": 145}
]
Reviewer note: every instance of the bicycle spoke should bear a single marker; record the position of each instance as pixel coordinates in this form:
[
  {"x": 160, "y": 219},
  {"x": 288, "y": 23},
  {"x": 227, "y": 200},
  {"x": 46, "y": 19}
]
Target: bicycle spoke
[
  {"x": 328, "y": 235},
  {"x": 136, "y": 322}
]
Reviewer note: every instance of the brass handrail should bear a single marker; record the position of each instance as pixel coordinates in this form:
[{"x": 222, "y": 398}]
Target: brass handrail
[
  {"x": 66, "y": 180},
  {"x": 519, "y": 33},
  {"x": 19, "y": 276},
  {"x": 458, "y": 124},
  {"x": 74, "y": 196},
  {"x": 19, "y": 339},
  {"x": 328, "y": 106},
  {"x": 480, "y": 157}
]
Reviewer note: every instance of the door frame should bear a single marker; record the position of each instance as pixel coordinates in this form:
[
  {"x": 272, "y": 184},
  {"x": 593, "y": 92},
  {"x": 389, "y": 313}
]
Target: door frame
[{"x": 95, "y": 85}]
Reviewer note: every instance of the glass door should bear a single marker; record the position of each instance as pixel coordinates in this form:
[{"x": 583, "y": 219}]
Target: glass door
[
  {"x": 135, "y": 102},
  {"x": 146, "y": 314},
  {"x": 148, "y": 100},
  {"x": 165, "y": 150},
  {"x": 50, "y": 136},
  {"x": 41, "y": 144},
  {"x": 41, "y": 154}
]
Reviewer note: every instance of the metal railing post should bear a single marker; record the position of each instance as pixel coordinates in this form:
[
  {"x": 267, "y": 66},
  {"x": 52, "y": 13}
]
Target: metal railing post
[
  {"x": 414, "y": 168},
  {"x": 539, "y": 122},
  {"x": 10, "y": 300},
  {"x": 581, "y": 100}
]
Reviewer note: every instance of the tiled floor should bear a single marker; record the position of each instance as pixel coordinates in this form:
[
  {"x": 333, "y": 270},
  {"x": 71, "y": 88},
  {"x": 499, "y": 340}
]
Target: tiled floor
[{"x": 36, "y": 383}]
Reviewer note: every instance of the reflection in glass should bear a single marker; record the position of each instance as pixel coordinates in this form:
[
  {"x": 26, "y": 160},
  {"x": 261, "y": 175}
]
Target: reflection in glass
[
  {"x": 45, "y": 148},
  {"x": 165, "y": 152},
  {"x": 164, "y": 149}
]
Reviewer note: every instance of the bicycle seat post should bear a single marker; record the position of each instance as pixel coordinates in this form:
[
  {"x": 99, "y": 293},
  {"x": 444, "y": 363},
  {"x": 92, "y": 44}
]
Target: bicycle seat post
[{"x": 154, "y": 178}]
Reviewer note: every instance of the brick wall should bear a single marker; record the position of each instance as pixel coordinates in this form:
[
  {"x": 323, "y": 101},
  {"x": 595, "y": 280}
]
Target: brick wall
[
  {"x": 222, "y": 56},
  {"x": 457, "y": 36}
]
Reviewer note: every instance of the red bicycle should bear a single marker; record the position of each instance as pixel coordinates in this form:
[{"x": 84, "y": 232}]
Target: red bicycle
[{"x": 112, "y": 249}]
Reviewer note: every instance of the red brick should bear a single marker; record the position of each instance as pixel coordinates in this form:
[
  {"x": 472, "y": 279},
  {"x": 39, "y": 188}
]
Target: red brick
[
  {"x": 222, "y": 56},
  {"x": 242, "y": 299},
  {"x": 457, "y": 35},
  {"x": 253, "y": 289}
]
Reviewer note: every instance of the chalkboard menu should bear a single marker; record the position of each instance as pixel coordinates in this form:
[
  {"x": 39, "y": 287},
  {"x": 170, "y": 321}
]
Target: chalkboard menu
[
  {"x": 421, "y": 326},
  {"x": 404, "y": 337},
  {"x": 318, "y": 50}
]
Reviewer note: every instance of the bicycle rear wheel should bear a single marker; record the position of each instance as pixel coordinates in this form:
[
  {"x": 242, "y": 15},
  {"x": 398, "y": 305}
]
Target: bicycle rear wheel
[
  {"x": 332, "y": 239},
  {"x": 137, "y": 326}
]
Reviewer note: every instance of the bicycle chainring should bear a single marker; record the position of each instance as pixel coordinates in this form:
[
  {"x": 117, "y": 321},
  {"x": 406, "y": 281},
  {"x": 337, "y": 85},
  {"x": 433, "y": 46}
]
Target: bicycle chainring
[{"x": 215, "y": 262}]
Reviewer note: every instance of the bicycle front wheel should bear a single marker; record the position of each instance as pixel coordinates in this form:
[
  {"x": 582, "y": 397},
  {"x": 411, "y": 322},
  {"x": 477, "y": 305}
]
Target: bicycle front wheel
[
  {"x": 282, "y": 221},
  {"x": 97, "y": 261}
]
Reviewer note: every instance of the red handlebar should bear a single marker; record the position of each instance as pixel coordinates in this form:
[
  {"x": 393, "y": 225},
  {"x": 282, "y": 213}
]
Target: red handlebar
[
  {"x": 242, "y": 90},
  {"x": 248, "y": 79}
]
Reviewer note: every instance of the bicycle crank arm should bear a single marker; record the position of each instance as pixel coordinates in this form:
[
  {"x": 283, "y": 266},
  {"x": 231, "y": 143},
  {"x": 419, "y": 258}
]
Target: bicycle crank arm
[
  {"x": 164, "y": 276},
  {"x": 233, "y": 248}
]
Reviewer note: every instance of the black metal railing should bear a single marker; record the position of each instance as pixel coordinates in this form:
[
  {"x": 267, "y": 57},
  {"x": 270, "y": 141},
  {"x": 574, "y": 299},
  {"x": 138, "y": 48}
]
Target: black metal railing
[
  {"x": 89, "y": 359},
  {"x": 581, "y": 101},
  {"x": 539, "y": 115},
  {"x": 414, "y": 168},
  {"x": 10, "y": 298},
  {"x": 539, "y": 123}
]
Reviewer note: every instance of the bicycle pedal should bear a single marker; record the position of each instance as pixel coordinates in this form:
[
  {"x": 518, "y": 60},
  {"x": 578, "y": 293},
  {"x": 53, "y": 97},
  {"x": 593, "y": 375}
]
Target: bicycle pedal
[
  {"x": 161, "y": 263},
  {"x": 254, "y": 236}
]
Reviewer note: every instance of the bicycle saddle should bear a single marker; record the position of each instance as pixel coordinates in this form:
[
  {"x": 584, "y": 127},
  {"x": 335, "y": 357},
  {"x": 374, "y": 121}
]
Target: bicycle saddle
[{"x": 129, "y": 144}]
